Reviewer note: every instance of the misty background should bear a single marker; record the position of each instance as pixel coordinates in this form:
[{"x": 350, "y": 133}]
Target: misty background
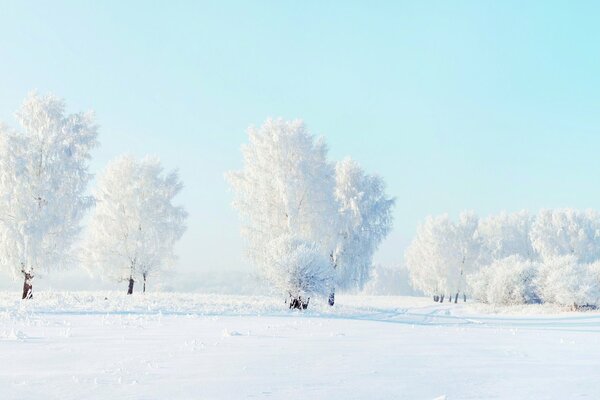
[{"x": 457, "y": 105}]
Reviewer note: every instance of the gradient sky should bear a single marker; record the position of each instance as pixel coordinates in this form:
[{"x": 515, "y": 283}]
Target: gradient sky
[{"x": 476, "y": 105}]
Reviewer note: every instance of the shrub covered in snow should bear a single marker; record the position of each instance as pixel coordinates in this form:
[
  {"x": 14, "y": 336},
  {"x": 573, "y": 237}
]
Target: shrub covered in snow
[
  {"x": 508, "y": 281},
  {"x": 297, "y": 267},
  {"x": 563, "y": 280}
]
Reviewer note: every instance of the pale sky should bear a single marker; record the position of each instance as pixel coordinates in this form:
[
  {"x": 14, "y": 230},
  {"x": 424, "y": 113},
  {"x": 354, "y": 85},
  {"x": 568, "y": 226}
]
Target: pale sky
[{"x": 486, "y": 106}]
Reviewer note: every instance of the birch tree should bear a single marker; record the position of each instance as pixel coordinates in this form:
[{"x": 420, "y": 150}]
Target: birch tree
[
  {"x": 443, "y": 254},
  {"x": 365, "y": 220},
  {"x": 44, "y": 172},
  {"x": 285, "y": 196},
  {"x": 135, "y": 224}
]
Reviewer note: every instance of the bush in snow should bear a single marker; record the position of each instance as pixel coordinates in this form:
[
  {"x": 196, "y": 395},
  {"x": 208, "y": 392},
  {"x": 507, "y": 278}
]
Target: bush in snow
[
  {"x": 563, "y": 280},
  {"x": 508, "y": 281},
  {"x": 298, "y": 268},
  {"x": 134, "y": 225},
  {"x": 43, "y": 179}
]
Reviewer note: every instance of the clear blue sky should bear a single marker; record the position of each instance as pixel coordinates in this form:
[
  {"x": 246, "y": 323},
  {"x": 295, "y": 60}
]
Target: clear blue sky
[{"x": 459, "y": 105}]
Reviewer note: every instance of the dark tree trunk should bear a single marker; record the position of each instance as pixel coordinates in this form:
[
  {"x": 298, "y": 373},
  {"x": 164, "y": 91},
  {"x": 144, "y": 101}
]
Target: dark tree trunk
[
  {"x": 144, "y": 290},
  {"x": 296, "y": 303},
  {"x": 464, "y": 298},
  {"x": 331, "y": 299},
  {"x": 442, "y": 299},
  {"x": 130, "y": 288},
  {"x": 436, "y": 298},
  {"x": 28, "y": 285},
  {"x": 456, "y": 298}
]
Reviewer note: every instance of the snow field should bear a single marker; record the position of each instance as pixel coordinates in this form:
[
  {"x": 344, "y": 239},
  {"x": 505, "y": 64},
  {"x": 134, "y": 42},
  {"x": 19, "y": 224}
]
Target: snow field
[{"x": 184, "y": 346}]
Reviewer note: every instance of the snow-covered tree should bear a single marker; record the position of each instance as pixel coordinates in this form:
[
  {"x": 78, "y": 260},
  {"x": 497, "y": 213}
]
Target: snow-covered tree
[
  {"x": 135, "y": 225},
  {"x": 298, "y": 268},
  {"x": 43, "y": 179},
  {"x": 442, "y": 254},
  {"x": 505, "y": 235},
  {"x": 564, "y": 232},
  {"x": 566, "y": 281},
  {"x": 507, "y": 281},
  {"x": 285, "y": 190},
  {"x": 365, "y": 220}
]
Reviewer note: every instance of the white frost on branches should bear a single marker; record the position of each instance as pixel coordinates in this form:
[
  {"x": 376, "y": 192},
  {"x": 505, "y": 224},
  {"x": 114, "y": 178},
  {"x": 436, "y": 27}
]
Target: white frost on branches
[
  {"x": 285, "y": 190},
  {"x": 443, "y": 253},
  {"x": 134, "y": 225},
  {"x": 298, "y": 267},
  {"x": 365, "y": 214},
  {"x": 505, "y": 235},
  {"x": 563, "y": 232},
  {"x": 43, "y": 179},
  {"x": 553, "y": 257},
  {"x": 292, "y": 199},
  {"x": 507, "y": 281}
]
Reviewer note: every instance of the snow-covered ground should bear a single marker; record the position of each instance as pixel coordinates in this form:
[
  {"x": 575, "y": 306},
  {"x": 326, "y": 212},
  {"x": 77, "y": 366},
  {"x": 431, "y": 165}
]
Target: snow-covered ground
[{"x": 185, "y": 346}]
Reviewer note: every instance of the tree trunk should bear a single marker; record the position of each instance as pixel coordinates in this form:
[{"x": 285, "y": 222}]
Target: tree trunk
[
  {"x": 144, "y": 291},
  {"x": 464, "y": 297},
  {"x": 296, "y": 303},
  {"x": 28, "y": 285},
  {"x": 130, "y": 288},
  {"x": 331, "y": 299},
  {"x": 456, "y": 298},
  {"x": 436, "y": 298},
  {"x": 442, "y": 299}
]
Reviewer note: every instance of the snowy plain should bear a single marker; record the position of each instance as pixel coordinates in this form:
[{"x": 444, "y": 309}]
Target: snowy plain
[{"x": 101, "y": 345}]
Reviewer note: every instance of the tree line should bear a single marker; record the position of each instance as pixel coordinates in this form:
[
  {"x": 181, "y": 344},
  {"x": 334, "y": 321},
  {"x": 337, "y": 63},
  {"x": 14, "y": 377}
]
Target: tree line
[
  {"x": 311, "y": 225},
  {"x": 510, "y": 258}
]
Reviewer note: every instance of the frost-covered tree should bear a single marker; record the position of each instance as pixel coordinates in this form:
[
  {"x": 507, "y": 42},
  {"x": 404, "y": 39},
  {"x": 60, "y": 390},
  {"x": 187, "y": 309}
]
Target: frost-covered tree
[
  {"x": 564, "y": 232},
  {"x": 565, "y": 281},
  {"x": 553, "y": 258},
  {"x": 135, "y": 224},
  {"x": 442, "y": 254},
  {"x": 43, "y": 179},
  {"x": 286, "y": 190},
  {"x": 299, "y": 268},
  {"x": 505, "y": 235},
  {"x": 365, "y": 220},
  {"x": 507, "y": 281}
]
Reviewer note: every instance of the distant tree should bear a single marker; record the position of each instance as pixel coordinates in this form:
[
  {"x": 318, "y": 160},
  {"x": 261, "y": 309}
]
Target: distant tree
[
  {"x": 285, "y": 196},
  {"x": 565, "y": 281},
  {"x": 562, "y": 232},
  {"x": 135, "y": 225},
  {"x": 389, "y": 281},
  {"x": 505, "y": 235},
  {"x": 442, "y": 254},
  {"x": 507, "y": 281},
  {"x": 43, "y": 179},
  {"x": 365, "y": 220}
]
